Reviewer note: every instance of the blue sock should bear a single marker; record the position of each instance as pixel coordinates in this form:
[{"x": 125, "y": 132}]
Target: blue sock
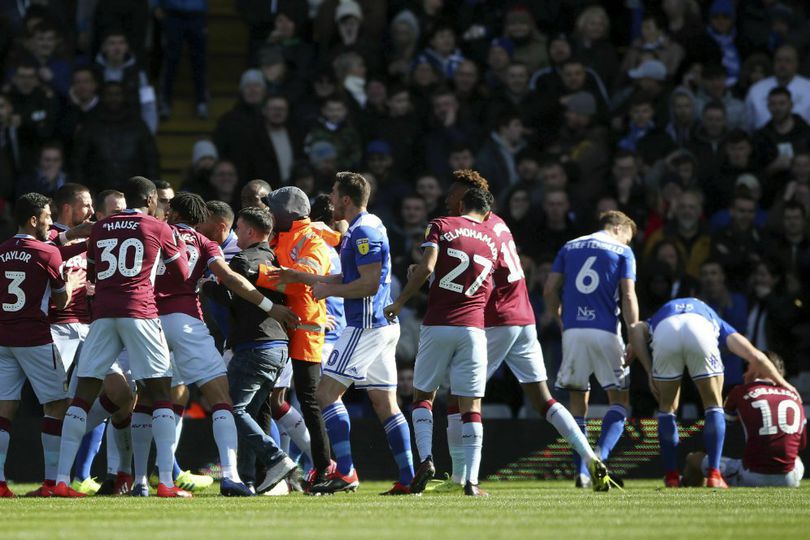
[
  {"x": 668, "y": 440},
  {"x": 580, "y": 466},
  {"x": 612, "y": 429},
  {"x": 275, "y": 434},
  {"x": 91, "y": 443},
  {"x": 714, "y": 432},
  {"x": 338, "y": 426},
  {"x": 399, "y": 441}
]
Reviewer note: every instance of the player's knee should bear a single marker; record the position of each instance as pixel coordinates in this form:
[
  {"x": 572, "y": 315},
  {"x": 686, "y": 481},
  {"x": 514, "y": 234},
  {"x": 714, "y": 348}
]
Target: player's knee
[
  {"x": 384, "y": 404},
  {"x": 278, "y": 399},
  {"x": 56, "y": 409},
  {"x": 9, "y": 408}
]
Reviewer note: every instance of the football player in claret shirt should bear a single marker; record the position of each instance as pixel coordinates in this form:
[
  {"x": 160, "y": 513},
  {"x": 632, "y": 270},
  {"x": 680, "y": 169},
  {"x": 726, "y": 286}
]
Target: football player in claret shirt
[
  {"x": 460, "y": 252},
  {"x": 775, "y": 430},
  {"x": 685, "y": 333},
  {"x": 31, "y": 276},
  {"x": 591, "y": 276},
  {"x": 511, "y": 338},
  {"x": 123, "y": 252}
]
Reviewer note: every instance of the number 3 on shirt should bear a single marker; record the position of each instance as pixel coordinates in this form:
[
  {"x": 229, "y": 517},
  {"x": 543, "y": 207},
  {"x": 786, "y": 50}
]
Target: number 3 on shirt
[
  {"x": 464, "y": 262},
  {"x": 14, "y": 288},
  {"x": 587, "y": 279}
]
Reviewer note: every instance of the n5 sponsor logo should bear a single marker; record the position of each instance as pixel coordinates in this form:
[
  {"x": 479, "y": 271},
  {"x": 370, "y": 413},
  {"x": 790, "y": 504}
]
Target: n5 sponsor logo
[{"x": 585, "y": 313}]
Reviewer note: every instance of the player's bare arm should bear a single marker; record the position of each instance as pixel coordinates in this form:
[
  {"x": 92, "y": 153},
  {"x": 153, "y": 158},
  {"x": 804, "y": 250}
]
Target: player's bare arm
[
  {"x": 366, "y": 285},
  {"x": 639, "y": 336},
  {"x": 79, "y": 231},
  {"x": 62, "y": 298},
  {"x": 759, "y": 364},
  {"x": 551, "y": 294},
  {"x": 289, "y": 275},
  {"x": 240, "y": 286},
  {"x": 416, "y": 279},
  {"x": 629, "y": 302}
]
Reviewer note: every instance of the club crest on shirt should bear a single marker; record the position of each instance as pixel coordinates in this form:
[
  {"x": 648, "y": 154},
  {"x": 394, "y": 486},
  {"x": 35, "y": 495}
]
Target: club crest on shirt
[{"x": 362, "y": 246}]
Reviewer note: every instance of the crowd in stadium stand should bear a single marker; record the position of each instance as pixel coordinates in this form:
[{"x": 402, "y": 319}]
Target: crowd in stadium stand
[{"x": 691, "y": 117}]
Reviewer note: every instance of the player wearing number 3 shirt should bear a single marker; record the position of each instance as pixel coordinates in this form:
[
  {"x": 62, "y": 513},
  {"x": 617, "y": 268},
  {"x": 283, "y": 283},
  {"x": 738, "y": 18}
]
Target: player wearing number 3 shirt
[
  {"x": 122, "y": 259},
  {"x": 461, "y": 253},
  {"x": 594, "y": 272}
]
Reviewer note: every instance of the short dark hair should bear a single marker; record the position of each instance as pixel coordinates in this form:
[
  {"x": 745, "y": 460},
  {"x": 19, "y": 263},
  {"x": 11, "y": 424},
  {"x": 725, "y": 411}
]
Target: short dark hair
[
  {"x": 28, "y": 206},
  {"x": 506, "y": 117},
  {"x": 115, "y": 31},
  {"x": 477, "y": 200},
  {"x": 67, "y": 194},
  {"x": 221, "y": 210},
  {"x": 190, "y": 206},
  {"x": 794, "y": 205},
  {"x": 88, "y": 69},
  {"x": 461, "y": 146},
  {"x": 101, "y": 198},
  {"x": 137, "y": 190},
  {"x": 615, "y": 218},
  {"x": 322, "y": 209},
  {"x": 714, "y": 71},
  {"x": 780, "y": 91},
  {"x": 716, "y": 105},
  {"x": 354, "y": 186},
  {"x": 258, "y": 218},
  {"x": 162, "y": 184},
  {"x": 737, "y": 135}
]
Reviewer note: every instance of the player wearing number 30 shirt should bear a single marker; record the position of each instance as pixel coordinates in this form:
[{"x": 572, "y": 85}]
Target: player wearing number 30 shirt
[{"x": 461, "y": 253}]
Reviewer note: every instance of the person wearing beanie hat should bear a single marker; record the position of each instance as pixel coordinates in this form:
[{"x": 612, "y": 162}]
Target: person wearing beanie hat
[
  {"x": 723, "y": 32},
  {"x": 404, "y": 34},
  {"x": 530, "y": 45},
  {"x": 203, "y": 149}
]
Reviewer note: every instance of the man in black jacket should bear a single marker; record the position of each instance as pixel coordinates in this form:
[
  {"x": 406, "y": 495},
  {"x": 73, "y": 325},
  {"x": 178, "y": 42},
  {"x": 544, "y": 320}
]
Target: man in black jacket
[{"x": 259, "y": 345}]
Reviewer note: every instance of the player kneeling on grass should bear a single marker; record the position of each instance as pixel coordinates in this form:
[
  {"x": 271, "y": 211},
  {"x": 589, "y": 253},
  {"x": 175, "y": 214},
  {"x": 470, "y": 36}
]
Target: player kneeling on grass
[
  {"x": 686, "y": 333},
  {"x": 775, "y": 433}
]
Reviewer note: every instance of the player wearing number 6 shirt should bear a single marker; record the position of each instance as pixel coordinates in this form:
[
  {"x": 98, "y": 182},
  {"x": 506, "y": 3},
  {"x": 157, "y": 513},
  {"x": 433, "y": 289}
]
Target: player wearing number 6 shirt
[
  {"x": 594, "y": 272},
  {"x": 123, "y": 254},
  {"x": 686, "y": 333},
  {"x": 511, "y": 338},
  {"x": 461, "y": 253},
  {"x": 31, "y": 276}
]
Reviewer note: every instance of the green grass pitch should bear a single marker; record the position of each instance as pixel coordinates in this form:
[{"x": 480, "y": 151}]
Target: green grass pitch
[{"x": 515, "y": 511}]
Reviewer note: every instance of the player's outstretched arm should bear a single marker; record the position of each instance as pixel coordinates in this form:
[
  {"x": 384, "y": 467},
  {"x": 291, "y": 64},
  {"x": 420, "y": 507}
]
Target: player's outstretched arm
[
  {"x": 283, "y": 276},
  {"x": 72, "y": 282},
  {"x": 759, "y": 364},
  {"x": 239, "y": 285},
  {"x": 629, "y": 302},
  {"x": 416, "y": 279},
  {"x": 366, "y": 285},
  {"x": 551, "y": 294}
]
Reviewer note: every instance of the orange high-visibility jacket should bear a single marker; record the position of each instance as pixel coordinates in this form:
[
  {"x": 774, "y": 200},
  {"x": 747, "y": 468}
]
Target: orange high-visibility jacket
[{"x": 302, "y": 249}]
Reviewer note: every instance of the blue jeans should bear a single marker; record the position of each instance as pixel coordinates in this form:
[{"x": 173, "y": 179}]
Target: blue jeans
[{"x": 252, "y": 374}]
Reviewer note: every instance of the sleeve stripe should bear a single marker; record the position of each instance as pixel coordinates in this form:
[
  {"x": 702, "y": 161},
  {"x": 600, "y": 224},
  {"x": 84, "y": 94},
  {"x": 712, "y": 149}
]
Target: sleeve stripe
[
  {"x": 212, "y": 259},
  {"x": 430, "y": 244},
  {"x": 170, "y": 259}
]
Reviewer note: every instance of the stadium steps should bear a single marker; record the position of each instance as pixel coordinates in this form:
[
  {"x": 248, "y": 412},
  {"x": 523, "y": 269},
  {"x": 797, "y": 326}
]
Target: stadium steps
[{"x": 227, "y": 58}]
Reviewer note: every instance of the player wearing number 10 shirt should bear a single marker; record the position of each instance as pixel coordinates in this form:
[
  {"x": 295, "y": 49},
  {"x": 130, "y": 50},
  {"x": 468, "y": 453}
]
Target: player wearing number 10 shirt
[
  {"x": 461, "y": 253},
  {"x": 594, "y": 272},
  {"x": 122, "y": 259}
]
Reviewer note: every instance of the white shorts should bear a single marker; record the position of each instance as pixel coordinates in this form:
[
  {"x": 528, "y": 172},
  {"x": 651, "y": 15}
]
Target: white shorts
[
  {"x": 68, "y": 338},
  {"x": 145, "y": 343},
  {"x": 119, "y": 367},
  {"x": 195, "y": 358},
  {"x": 40, "y": 365},
  {"x": 519, "y": 348},
  {"x": 589, "y": 351},
  {"x": 738, "y": 476},
  {"x": 365, "y": 357},
  {"x": 457, "y": 353},
  {"x": 285, "y": 378},
  {"x": 686, "y": 341}
]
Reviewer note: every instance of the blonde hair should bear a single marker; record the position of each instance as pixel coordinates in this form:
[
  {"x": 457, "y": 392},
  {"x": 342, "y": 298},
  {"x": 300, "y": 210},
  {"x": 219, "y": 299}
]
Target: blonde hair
[{"x": 593, "y": 11}]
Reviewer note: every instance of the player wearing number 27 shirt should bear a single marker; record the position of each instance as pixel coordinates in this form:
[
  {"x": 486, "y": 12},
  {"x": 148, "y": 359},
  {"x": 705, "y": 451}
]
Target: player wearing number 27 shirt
[
  {"x": 461, "y": 253},
  {"x": 594, "y": 272}
]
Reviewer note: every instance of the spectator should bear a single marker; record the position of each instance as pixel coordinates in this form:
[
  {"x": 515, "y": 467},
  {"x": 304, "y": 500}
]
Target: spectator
[
  {"x": 496, "y": 159},
  {"x": 684, "y": 26},
  {"x": 730, "y": 305},
  {"x": 518, "y": 216},
  {"x": 53, "y": 70},
  {"x": 791, "y": 246},
  {"x": 738, "y": 247},
  {"x": 323, "y": 158},
  {"x": 738, "y": 151},
  {"x": 748, "y": 184},
  {"x": 277, "y": 76},
  {"x": 461, "y": 157},
  {"x": 36, "y": 107},
  {"x": 530, "y": 44},
  {"x": 687, "y": 231},
  {"x": 9, "y": 147},
  {"x": 115, "y": 145},
  {"x": 404, "y": 34},
  {"x": 530, "y": 176},
  {"x": 643, "y": 135},
  {"x": 584, "y": 145},
  {"x": 253, "y": 192},
  {"x": 235, "y": 129},
  {"x": 260, "y": 18},
  {"x": 472, "y": 97},
  {"x": 334, "y": 127},
  {"x": 592, "y": 42},
  {"x": 499, "y": 56},
  {"x": 682, "y": 116},
  {"x": 442, "y": 52},
  {"x": 276, "y": 146},
  {"x": 402, "y": 130},
  {"x": 286, "y": 37},
  {"x": 350, "y": 75},
  {"x": 355, "y": 32},
  {"x": 558, "y": 225},
  {"x": 785, "y": 68},
  {"x": 50, "y": 174},
  {"x": 707, "y": 141},
  {"x": 184, "y": 21},
  {"x": 779, "y": 140},
  {"x": 515, "y": 95},
  {"x": 303, "y": 178},
  {"x": 448, "y": 129},
  {"x": 391, "y": 188},
  {"x": 223, "y": 183},
  {"x": 627, "y": 187},
  {"x": 116, "y": 63},
  {"x": 668, "y": 252},
  {"x": 82, "y": 103},
  {"x": 653, "y": 44},
  {"x": 410, "y": 225},
  {"x": 560, "y": 49},
  {"x": 204, "y": 156},
  {"x": 713, "y": 88},
  {"x": 430, "y": 190},
  {"x": 720, "y": 44},
  {"x": 131, "y": 17}
]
